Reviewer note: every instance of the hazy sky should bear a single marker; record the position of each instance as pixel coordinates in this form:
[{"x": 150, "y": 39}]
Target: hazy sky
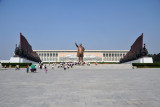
[{"x": 97, "y": 24}]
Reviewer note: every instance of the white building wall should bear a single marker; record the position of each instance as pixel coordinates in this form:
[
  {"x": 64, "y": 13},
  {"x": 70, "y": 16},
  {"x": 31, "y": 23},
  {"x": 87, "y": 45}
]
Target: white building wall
[{"x": 107, "y": 55}]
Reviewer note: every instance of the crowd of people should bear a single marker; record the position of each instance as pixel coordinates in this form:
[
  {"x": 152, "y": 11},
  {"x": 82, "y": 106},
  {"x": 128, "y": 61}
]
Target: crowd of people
[{"x": 64, "y": 65}]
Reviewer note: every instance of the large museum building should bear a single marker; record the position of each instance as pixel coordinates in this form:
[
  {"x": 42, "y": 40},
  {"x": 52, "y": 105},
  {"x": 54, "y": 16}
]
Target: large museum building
[{"x": 89, "y": 55}]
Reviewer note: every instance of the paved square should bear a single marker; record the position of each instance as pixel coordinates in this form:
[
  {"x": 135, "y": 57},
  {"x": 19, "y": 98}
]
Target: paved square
[{"x": 82, "y": 86}]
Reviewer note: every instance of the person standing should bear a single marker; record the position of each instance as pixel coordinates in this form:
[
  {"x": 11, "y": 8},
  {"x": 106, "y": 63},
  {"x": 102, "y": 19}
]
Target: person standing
[
  {"x": 52, "y": 66},
  {"x": 45, "y": 67},
  {"x": 27, "y": 68}
]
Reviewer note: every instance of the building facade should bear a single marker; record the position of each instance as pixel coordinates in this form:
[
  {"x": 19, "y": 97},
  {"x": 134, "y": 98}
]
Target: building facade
[{"x": 89, "y": 55}]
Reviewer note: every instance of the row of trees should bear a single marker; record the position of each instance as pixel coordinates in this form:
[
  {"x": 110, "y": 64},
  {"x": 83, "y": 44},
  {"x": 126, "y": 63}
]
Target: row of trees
[{"x": 156, "y": 57}]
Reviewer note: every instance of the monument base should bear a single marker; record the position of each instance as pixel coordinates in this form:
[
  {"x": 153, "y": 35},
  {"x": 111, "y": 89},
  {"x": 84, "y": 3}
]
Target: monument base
[
  {"x": 141, "y": 60},
  {"x": 20, "y": 60}
]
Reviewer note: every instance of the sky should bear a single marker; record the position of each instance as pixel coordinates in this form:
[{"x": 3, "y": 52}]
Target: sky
[{"x": 97, "y": 24}]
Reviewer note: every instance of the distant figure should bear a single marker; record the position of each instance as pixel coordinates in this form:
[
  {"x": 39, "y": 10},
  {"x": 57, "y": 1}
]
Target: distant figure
[
  {"x": 95, "y": 63},
  {"x": 33, "y": 68},
  {"x": 40, "y": 66},
  {"x": 45, "y": 67},
  {"x": 80, "y": 52},
  {"x": 17, "y": 67},
  {"x": 88, "y": 64},
  {"x": 52, "y": 66},
  {"x": 27, "y": 68},
  {"x": 65, "y": 66}
]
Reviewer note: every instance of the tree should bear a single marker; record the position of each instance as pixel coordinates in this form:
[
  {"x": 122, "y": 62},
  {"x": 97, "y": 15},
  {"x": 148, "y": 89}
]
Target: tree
[{"x": 156, "y": 57}]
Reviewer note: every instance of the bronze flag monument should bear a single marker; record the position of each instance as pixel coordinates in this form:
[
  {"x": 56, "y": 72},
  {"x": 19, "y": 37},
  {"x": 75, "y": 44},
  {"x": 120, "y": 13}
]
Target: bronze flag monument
[
  {"x": 24, "y": 50},
  {"x": 137, "y": 51},
  {"x": 80, "y": 52}
]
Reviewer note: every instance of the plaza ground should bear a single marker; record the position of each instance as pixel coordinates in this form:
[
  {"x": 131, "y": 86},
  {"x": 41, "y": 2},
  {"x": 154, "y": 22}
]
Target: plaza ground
[{"x": 81, "y": 86}]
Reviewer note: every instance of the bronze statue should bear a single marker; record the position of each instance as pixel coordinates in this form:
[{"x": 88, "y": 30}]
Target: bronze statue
[
  {"x": 80, "y": 52},
  {"x": 137, "y": 51},
  {"x": 25, "y": 50}
]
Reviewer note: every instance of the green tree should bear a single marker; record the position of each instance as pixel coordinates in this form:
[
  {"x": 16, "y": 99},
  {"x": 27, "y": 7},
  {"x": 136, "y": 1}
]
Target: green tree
[{"x": 156, "y": 57}]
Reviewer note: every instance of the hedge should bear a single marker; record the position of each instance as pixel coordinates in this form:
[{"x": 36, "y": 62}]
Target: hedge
[
  {"x": 90, "y": 62},
  {"x": 146, "y": 65},
  {"x": 105, "y": 62},
  {"x": 14, "y": 64}
]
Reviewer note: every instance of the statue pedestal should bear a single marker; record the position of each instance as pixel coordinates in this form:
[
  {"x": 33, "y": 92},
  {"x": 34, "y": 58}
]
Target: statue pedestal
[
  {"x": 20, "y": 60},
  {"x": 141, "y": 60}
]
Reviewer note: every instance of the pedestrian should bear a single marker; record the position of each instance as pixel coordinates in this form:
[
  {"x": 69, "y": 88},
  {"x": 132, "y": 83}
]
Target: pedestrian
[
  {"x": 27, "y": 68},
  {"x": 45, "y": 67},
  {"x": 52, "y": 67},
  {"x": 17, "y": 67},
  {"x": 40, "y": 66}
]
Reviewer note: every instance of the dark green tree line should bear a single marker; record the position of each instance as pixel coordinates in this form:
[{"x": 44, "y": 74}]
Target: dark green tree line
[{"x": 156, "y": 57}]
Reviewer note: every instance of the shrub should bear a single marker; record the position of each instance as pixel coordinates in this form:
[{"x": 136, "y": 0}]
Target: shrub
[
  {"x": 105, "y": 62},
  {"x": 146, "y": 65},
  {"x": 22, "y": 65}
]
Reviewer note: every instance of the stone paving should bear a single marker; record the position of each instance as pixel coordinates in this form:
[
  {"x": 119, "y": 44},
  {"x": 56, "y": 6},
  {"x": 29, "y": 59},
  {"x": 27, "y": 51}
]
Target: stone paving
[{"x": 81, "y": 86}]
